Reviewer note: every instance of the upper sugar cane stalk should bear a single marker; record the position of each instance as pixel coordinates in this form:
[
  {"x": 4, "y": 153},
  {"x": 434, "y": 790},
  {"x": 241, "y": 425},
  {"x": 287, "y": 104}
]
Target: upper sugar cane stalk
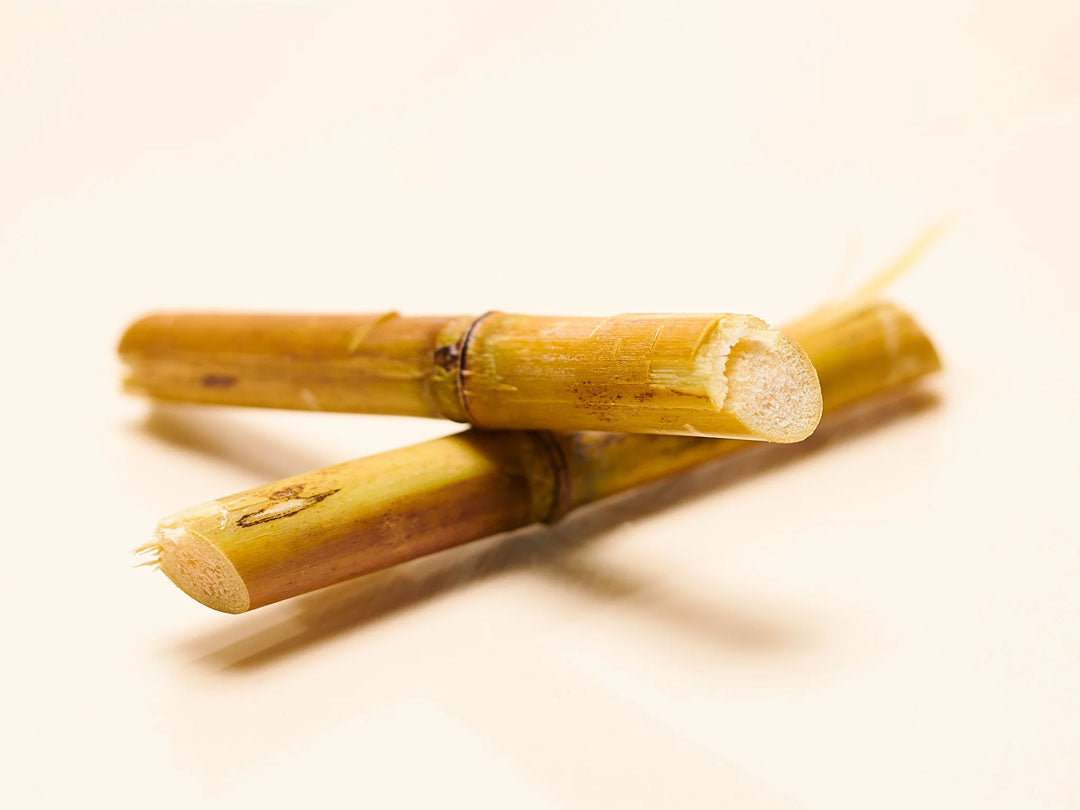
[
  {"x": 700, "y": 375},
  {"x": 318, "y": 528}
]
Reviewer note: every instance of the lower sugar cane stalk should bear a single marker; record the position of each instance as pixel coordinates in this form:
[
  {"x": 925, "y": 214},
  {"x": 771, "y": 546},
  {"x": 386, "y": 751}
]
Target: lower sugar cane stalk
[
  {"x": 703, "y": 375},
  {"x": 293, "y": 536}
]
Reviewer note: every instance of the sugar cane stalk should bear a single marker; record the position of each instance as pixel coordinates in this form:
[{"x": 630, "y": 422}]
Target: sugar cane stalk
[
  {"x": 318, "y": 528},
  {"x": 701, "y": 375}
]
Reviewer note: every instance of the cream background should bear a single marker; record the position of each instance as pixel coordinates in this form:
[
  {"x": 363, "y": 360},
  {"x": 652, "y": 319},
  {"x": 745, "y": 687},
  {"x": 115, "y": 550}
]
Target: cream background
[{"x": 892, "y": 622}]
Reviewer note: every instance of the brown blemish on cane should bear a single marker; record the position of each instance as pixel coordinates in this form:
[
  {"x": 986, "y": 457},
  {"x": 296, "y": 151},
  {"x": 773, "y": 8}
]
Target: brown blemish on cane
[
  {"x": 446, "y": 357},
  {"x": 288, "y": 502},
  {"x": 219, "y": 381}
]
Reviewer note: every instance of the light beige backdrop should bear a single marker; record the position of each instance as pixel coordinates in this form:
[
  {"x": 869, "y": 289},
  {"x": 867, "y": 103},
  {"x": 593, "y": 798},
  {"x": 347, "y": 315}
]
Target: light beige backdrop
[{"x": 891, "y": 621}]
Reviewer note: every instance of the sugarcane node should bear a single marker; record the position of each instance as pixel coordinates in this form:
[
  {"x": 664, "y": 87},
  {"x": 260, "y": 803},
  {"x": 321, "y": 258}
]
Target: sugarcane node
[
  {"x": 463, "y": 362},
  {"x": 562, "y": 500}
]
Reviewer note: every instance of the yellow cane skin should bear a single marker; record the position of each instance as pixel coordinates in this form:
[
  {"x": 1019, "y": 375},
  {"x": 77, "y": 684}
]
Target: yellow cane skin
[
  {"x": 630, "y": 373},
  {"x": 355, "y": 363},
  {"x": 332, "y": 524}
]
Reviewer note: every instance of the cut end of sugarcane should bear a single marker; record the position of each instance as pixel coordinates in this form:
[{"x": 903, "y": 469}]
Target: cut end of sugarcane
[
  {"x": 199, "y": 568},
  {"x": 768, "y": 383}
]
